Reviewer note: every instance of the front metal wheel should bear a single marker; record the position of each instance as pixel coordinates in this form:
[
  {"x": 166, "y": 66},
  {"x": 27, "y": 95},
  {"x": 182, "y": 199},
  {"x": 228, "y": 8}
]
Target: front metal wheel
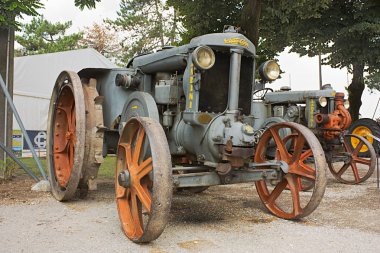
[
  {"x": 305, "y": 159},
  {"x": 143, "y": 179},
  {"x": 354, "y": 167}
]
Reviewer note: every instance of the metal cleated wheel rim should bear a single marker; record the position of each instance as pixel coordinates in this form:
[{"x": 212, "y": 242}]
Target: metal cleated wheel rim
[
  {"x": 143, "y": 180},
  {"x": 306, "y": 160},
  {"x": 356, "y": 168},
  {"x": 66, "y": 135},
  {"x": 93, "y": 154}
]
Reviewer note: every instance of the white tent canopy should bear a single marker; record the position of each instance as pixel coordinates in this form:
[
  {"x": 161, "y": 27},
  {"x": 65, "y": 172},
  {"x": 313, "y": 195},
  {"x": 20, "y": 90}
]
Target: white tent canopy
[{"x": 35, "y": 76}]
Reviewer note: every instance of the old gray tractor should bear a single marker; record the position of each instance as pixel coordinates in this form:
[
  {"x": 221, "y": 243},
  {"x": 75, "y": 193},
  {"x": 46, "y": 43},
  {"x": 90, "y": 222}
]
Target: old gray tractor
[
  {"x": 182, "y": 118},
  {"x": 325, "y": 113}
]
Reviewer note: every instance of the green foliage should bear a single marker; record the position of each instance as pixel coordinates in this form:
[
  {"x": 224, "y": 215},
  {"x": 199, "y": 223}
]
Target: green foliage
[
  {"x": 7, "y": 168},
  {"x": 349, "y": 31},
  {"x": 41, "y": 36},
  {"x": 373, "y": 81},
  {"x": 11, "y": 9},
  {"x": 86, "y": 3},
  {"x": 146, "y": 25},
  {"x": 206, "y": 16}
]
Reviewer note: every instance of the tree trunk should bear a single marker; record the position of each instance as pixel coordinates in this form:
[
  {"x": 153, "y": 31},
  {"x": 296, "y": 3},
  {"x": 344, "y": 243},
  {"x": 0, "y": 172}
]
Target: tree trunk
[
  {"x": 250, "y": 19},
  {"x": 355, "y": 90},
  {"x": 6, "y": 71},
  {"x": 160, "y": 22}
]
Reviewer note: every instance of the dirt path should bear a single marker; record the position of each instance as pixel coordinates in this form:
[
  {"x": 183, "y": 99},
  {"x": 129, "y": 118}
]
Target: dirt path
[{"x": 222, "y": 219}]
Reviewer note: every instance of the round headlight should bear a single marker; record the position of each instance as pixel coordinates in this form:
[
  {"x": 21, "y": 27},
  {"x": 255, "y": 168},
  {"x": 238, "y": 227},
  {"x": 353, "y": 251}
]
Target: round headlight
[
  {"x": 346, "y": 104},
  {"x": 269, "y": 70},
  {"x": 203, "y": 57},
  {"x": 323, "y": 101}
]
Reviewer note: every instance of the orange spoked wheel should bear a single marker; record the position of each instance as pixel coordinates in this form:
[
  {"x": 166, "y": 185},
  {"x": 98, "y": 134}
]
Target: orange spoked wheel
[
  {"x": 143, "y": 179},
  {"x": 349, "y": 165},
  {"x": 304, "y": 184},
  {"x": 303, "y": 159},
  {"x": 66, "y": 135}
]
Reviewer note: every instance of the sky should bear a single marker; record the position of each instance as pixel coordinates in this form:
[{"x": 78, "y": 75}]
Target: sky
[{"x": 301, "y": 73}]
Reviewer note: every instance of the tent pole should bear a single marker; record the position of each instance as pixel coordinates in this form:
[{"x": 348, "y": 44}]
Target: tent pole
[{"x": 26, "y": 169}]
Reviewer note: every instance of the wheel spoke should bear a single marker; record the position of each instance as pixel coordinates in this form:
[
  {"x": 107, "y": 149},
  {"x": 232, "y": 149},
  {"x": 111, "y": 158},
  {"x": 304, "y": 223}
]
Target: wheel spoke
[
  {"x": 126, "y": 213},
  {"x": 136, "y": 215},
  {"x": 299, "y": 143},
  {"x": 346, "y": 146},
  {"x": 305, "y": 155},
  {"x": 120, "y": 192},
  {"x": 144, "y": 168},
  {"x": 276, "y": 192},
  {"x": 144, "y": 196},
  {"x": 355, "y": 171},
  {"x": 139, "y": 141},
  {"x": 303, "y": 170},
  {"x": 280, "y": 144},
  {"x": 294, "y": 189},
  {"x": 362, "y": 161},
  {"x": 343, "y": 169},
  {"x": 357, "y": 148},
  {"x": 128, "y": 155}
]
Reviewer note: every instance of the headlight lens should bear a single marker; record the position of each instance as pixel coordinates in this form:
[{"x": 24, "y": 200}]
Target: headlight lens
[
  {"x": 203, "y": 57},
  {"x": 346, "y": 104},
  {"x": 269, "y": 70},
  {"x": 323, "y": 101}
]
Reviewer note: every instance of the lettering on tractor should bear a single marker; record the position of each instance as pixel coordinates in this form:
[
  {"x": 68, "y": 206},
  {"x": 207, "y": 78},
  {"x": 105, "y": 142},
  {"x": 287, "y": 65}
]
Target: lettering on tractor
[{"x": 188, "y": 118}]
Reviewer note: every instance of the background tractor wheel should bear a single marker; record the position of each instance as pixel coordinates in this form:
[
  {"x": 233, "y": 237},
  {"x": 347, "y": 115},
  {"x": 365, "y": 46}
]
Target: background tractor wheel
[
  {"x": 362, "y": 127},
  {"x": 306, "y": 161},
  {"x": 66, "y": 135},
  {"x": 143, "y": 179},
  {"x": 353, "y": 168},
  {"x": 75, "y": 135}
]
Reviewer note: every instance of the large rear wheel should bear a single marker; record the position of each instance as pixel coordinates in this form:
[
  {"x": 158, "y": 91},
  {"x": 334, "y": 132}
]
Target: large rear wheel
[
  {"x": 75, "y": 135},
  {"x": 305, "y": 160},
  {"x": 143, "y": 179},
  {"x": 66, "y": 135},
  {"x": 364, "y": 127}
]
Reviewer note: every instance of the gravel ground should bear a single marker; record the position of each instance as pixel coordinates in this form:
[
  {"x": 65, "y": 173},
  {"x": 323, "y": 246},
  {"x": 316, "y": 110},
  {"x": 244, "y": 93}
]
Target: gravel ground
[{"x": 221, "y": 219}]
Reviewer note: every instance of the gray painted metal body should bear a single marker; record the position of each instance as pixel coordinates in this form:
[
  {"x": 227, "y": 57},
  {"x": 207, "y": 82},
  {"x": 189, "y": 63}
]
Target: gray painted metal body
[
  {"x": 19, "y": 121},
  {"x": 297, "y": 96},
  {"x": 233, "y": 89}
]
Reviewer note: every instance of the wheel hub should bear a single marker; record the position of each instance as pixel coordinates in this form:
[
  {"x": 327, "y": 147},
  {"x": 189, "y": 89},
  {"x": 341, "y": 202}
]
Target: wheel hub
[
  {"x": 124, "y": 179},
  {"x": 70, "y": 135}
]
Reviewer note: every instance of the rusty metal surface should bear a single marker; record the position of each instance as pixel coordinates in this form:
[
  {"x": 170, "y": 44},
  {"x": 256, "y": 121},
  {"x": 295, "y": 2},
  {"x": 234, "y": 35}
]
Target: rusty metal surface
[
  {"x": 70, "y": 140},
  {"x": 337, "y": 121},
  {"x": 361, "y": 167},
  {"x": 144, "y": 201},
  {"x": 93, "y": 157},
  {"x": 305, "y": 146}
]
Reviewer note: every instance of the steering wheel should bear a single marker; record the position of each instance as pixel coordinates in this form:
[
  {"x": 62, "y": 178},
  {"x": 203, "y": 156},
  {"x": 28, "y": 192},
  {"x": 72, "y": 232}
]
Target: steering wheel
[{"x": 260, "y": 94}]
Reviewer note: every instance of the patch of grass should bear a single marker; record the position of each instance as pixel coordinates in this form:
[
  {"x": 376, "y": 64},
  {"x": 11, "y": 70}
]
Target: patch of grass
[{"x": 106, "y": 171}]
